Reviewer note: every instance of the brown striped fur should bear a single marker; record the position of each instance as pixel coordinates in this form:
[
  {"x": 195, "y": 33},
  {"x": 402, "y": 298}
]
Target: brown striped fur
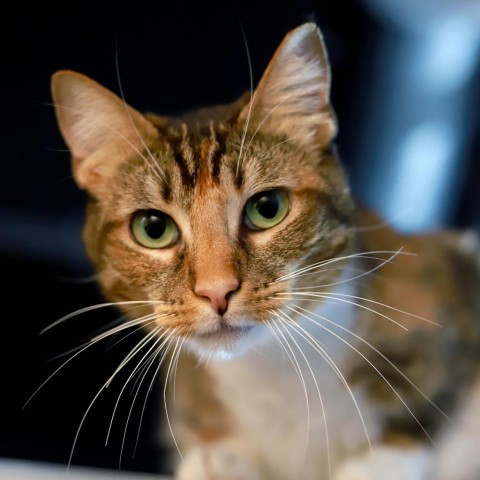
[{"x": 201, "y": 169}]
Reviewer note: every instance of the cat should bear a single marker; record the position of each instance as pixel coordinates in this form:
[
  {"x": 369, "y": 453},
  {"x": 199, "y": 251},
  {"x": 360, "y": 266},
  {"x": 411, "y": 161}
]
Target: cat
[{"x": 305, "y": 343}]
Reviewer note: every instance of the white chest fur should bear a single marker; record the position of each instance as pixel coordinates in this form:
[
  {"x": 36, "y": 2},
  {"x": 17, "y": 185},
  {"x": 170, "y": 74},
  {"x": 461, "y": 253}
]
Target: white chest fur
[{"x": 288, "y": 399}]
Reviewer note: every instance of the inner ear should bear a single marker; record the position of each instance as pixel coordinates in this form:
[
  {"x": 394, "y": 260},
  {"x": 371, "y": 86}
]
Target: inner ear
[
  {"x": 91, "y": 119},
  {"x": 293, "y": 96}
]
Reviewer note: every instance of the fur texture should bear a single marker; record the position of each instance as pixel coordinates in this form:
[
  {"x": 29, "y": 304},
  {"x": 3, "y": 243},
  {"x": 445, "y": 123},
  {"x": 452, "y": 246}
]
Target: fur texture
[{"x": 318, "y": 347}]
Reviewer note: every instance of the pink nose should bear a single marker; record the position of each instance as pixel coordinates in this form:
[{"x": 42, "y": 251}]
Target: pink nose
[{"x": 218, "y": 292}]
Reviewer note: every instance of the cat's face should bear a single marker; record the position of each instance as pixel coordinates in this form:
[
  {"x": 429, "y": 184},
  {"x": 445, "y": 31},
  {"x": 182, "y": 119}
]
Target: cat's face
[{"x": 203, "y": 219}]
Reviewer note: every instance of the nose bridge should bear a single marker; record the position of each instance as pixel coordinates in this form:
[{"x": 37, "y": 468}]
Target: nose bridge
[
  {"x": 213, "y": 249},
  {"x": 215, "y": 273}
]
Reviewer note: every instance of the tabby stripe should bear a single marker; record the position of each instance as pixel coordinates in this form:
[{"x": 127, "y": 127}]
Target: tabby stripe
[
  {"x": 167, "y": 188},
  {"x": 239, "y": 177},
  {"x": 187, "y": 178},
  {"x": 217, "y": 154}
]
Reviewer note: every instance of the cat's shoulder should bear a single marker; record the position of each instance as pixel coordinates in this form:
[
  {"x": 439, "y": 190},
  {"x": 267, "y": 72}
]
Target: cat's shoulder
[
  {"x": 374, "y": 233},
  {"x": 430, "y": 273}
]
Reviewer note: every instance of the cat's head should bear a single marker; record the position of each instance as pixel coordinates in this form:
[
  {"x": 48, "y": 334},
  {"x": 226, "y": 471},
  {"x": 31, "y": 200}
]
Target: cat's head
[{"x": 205, "y": 218}]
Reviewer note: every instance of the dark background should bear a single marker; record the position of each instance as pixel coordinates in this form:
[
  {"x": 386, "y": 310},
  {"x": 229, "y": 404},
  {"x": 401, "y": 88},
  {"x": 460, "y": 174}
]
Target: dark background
[{"x": 173, "y": 56}]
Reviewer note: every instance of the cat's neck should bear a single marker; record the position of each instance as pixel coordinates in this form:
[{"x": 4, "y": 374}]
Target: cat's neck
[{"x": 306, "y": 370}]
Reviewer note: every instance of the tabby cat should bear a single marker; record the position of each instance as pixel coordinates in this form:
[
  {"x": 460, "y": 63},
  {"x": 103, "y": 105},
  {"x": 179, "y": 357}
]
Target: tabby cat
[{"x": 305, "y": 343}]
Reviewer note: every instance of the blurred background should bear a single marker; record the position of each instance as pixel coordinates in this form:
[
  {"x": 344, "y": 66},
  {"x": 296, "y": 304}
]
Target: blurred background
[{"x": 407, "y": 93}]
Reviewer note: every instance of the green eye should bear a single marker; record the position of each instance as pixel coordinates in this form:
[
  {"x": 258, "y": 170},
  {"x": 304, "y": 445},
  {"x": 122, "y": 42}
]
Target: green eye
[
  {"x": 267, "y": 209},
  {"x": 154, "y": 229}
]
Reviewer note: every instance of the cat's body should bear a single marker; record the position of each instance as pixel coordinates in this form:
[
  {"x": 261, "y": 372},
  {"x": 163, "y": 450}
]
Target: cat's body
[
  {"x": 442, "y": 360},
  {"x": 300, "y": 334}
]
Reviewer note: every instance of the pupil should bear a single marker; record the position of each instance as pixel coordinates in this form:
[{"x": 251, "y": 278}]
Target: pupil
[
  {"x": 154, "y": 226},
  {"x": 267, "y": 206}
]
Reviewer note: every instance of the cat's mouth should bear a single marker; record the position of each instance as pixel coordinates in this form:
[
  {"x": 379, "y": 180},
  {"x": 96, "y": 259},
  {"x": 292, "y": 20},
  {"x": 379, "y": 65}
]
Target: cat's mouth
[
  {"x": 224, "y": 339},
  {"x": 224, "y": 331}
]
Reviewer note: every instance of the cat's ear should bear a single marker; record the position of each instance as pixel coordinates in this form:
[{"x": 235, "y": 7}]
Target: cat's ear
[
  {"x": 293, "y": 96},
  {"x": 92, "y": 118}
]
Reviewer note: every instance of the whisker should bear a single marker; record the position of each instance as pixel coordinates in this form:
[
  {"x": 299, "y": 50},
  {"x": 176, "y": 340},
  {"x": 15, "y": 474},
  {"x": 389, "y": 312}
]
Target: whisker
[
  {"x": 142, "y": 375},
  {"x": 289, "y": 139},
  {"x": 363, "y": 274},
  {"x": 165, "y": 399},
  {"x": 148, "y": 391},
  {"x": 302, "y": 379},
  {"x": 151, "y": 318},
  {"x": 141, "y": 327},
  {"x": 95, "y": 307},
  {"x": 368, "y": 344},
  {"x": 327, "y": 440},
  {"x": 156, "y": 171},
  {"x": 265, "y": 119},
  {"x": 87, "y": 411},
  {"x": 136, "y": 350},
  {"x": 361, "y": 255},
  {"x": 103, "y": 124},
  {"x": 150, "y": 387},
  {"x": 118, "y": 321},
  {"x": 262, "y": 354},
  {"x": 93, "y": 342},
  {"x": 142, "y": 321},
  {"x": 378, "y": 372},
  {"x": 313, "y": 342},
  {"x": 174, "y": 374},
  {"x": 283, "y": 348},
  {"x": 334, "y": 294},
  {"x": 252, "y": 98},
  {"x": 131, "y": 323},
  {"x": 336, "y": 269},
  {"x": 322, "y": 296},
  {"x": 142, "y": 368}
]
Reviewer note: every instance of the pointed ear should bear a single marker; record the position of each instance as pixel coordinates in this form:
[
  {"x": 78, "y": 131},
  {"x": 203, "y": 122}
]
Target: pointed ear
[
  {"x": 91, "y": 118},
  {"x": 293, "y": 96}
]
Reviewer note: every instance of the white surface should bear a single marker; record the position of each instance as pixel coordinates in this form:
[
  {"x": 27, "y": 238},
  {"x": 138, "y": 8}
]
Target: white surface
[{"x": 17, "y": 470}]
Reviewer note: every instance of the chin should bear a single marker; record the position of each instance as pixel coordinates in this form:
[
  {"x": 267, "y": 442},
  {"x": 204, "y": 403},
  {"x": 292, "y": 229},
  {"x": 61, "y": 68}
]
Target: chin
[{"x": 226, "y": 344}]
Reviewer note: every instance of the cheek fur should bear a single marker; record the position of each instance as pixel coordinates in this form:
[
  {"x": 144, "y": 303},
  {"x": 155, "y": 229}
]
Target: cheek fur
[
  {"x": 132, "y": 272},
  {"x": 146, "y": 272},
  {"x": 288, "y": 245}
]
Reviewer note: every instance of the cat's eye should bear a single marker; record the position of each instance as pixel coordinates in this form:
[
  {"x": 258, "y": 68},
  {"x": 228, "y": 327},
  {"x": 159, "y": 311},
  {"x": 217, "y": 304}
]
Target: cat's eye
[
  {"x": 153, "y": 229},
  {"x": 267, "y": 209}
]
